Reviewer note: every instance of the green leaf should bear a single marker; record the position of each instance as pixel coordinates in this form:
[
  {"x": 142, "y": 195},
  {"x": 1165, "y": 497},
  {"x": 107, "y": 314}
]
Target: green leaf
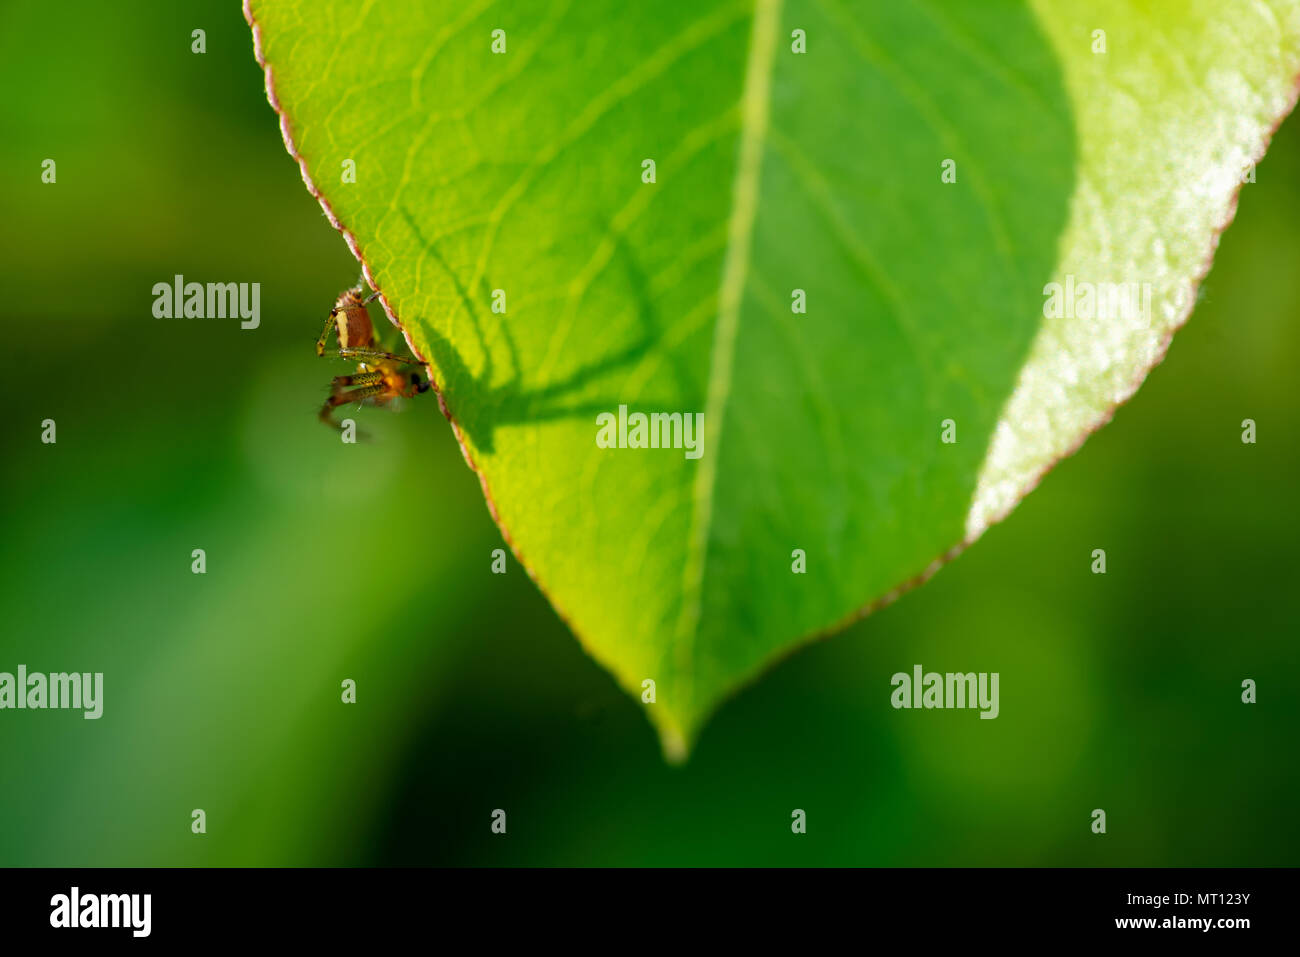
[{"x": 774, "y": 171}]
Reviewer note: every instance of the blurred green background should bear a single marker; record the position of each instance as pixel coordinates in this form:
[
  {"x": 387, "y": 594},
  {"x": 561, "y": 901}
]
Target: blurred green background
[{"x": 371, "y": 562}]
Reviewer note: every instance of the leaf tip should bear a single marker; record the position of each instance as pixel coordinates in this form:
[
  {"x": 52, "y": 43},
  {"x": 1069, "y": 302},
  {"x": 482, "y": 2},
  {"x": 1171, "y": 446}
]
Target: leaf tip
[{"x": 674, "y": 746}]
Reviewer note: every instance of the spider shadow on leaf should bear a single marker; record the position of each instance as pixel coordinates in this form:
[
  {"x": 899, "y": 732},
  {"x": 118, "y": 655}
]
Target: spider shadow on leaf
[{"x": 512, "y": 402}]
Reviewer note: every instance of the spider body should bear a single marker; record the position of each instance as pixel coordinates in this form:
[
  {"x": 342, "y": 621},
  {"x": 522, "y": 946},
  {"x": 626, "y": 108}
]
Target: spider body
[
  {"x": 379, "y": 377},
  {"x": 352, "y": 324}
]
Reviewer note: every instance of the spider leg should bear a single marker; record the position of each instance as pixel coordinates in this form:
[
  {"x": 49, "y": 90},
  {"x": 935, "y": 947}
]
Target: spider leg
[
  {"x": 341, "y": 382},
  {"x": 340, "y": 397},
  {"x": 373, "y": 355},
  {"x": 362, "y": 283},
  {"x": 325, "y": 333}
]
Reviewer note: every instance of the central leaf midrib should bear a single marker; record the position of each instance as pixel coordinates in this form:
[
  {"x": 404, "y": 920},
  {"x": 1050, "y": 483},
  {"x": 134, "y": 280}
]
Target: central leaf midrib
[{"x": 755, "y": 102}]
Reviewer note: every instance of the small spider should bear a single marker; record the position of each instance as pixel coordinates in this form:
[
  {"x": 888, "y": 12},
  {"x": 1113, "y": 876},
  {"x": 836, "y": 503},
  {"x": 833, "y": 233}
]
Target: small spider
[{"x": 379, "y": 377}]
